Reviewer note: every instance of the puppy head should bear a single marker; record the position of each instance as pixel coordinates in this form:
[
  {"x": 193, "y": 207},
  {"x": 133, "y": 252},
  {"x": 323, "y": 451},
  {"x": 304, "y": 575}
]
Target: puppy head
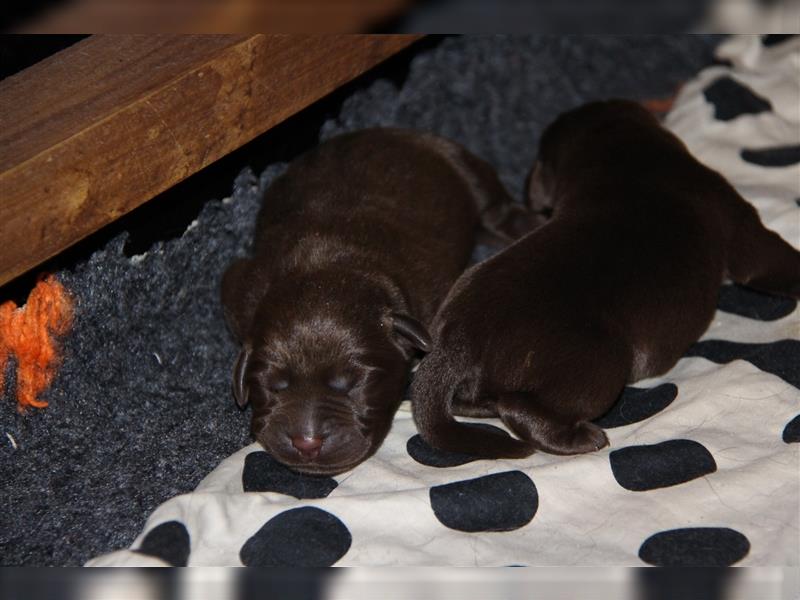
[
  {"x": 592, "y": 125},
  {"x": 324, "y": 380},
  {"x": 577, "y": 137}
]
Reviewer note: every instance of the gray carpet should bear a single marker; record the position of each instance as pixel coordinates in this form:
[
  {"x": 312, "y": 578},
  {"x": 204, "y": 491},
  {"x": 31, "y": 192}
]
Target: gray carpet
[{"x": 141, "y": 409}]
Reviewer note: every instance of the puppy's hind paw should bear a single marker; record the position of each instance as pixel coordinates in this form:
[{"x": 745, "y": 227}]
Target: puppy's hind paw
[
  {"x": 588, "y": 438},
  {"x": 580, "y": 438}
]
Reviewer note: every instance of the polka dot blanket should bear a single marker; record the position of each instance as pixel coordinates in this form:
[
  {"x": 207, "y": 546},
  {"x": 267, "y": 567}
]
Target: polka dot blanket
[{"x": 702, "y": 468}]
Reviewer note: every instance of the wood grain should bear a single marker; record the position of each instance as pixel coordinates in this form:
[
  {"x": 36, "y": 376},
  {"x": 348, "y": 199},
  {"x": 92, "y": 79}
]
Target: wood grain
[
  {"x": 217, "y": 16},
  {"x": 101, "y": 127}
]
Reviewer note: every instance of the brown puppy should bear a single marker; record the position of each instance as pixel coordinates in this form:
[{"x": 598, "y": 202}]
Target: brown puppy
[
  {"x": 614, "y": 288},
  {"x": 357, "y": 245}
]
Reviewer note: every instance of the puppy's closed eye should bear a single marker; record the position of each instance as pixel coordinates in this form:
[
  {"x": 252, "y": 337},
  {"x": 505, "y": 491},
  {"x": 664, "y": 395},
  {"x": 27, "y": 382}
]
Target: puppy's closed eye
[
  {"x": 277, "y": 385},
  {"x": 341, "y": 383}
]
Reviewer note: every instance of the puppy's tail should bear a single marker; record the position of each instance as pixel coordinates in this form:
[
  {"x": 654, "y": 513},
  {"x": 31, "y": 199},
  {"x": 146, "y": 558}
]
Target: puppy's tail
[{"x": 431, "y": 402}]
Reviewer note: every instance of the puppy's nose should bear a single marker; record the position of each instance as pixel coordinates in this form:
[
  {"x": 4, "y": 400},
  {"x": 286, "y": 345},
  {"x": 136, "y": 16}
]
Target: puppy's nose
[{"x": 307, "y": 445}]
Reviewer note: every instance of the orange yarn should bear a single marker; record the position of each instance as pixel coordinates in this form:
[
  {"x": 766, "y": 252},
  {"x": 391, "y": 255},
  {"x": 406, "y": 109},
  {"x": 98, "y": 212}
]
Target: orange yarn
[
  {"x": 28, "y": 333},
  {"x": 661, "y": 106}
]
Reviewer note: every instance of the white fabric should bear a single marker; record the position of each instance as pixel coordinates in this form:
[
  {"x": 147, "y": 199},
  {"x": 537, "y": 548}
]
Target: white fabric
[{"x": 584, "y": 516}]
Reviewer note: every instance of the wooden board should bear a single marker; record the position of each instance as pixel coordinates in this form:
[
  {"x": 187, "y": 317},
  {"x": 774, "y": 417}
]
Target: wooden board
[
  {"x": 223, "y": 16},
  {"x": 103, "y": 126}
]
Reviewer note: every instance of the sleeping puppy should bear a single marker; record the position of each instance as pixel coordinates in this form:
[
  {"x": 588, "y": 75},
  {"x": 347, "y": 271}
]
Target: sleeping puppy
[
  {"x": 356, "y": 246},
  {"x": 615, "y": 287}
]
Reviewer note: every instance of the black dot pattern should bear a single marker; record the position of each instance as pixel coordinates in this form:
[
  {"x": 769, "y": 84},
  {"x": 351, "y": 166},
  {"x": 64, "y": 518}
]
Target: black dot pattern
[
  {"x": 791, "y": 433},
  {"x": 732, "y": 99},
  {"x": 638, "y": 404},
  {"x": 642, "y": 468},
  {"x": 778, "y": 156},
  {"x": 693, "y": 584},
  {"x": 168, "y": 541},
  {"x": 499, "y": 502},
  {"x": 722, "y": 62},
  {"x": 425, "y": 454},
  {"x": 262, "y": 473},
  {"x": 279, "y": 584},
  {"x": 781, "y": 358},
  {"x": 695, "y": 547},
  {"x": 773, "y": 39},
  {"x": 754, "y": 305},
  {"x": 300, "y": 537}
]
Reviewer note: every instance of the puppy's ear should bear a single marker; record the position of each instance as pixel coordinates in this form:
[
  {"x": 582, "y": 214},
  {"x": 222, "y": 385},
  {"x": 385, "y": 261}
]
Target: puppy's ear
[
  {"x": 240, "y": 390},
  {"x": 242, "y": 288},
  {"x": 539, "y": 190},
  {"x": 412, "y": 331},
  {"x": 506, "y": 223}
]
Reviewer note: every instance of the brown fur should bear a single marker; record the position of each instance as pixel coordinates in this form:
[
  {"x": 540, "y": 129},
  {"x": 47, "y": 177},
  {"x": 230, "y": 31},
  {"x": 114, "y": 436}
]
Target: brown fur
[
  {"x": 614, "y": 288},
  {"x": 357, "y": 245}
]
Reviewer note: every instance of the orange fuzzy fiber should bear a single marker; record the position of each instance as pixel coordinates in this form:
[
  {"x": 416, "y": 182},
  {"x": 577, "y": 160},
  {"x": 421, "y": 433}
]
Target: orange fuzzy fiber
[
  {"x": 29, "y": 334},
  {"x": 661, "y": 106}
]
